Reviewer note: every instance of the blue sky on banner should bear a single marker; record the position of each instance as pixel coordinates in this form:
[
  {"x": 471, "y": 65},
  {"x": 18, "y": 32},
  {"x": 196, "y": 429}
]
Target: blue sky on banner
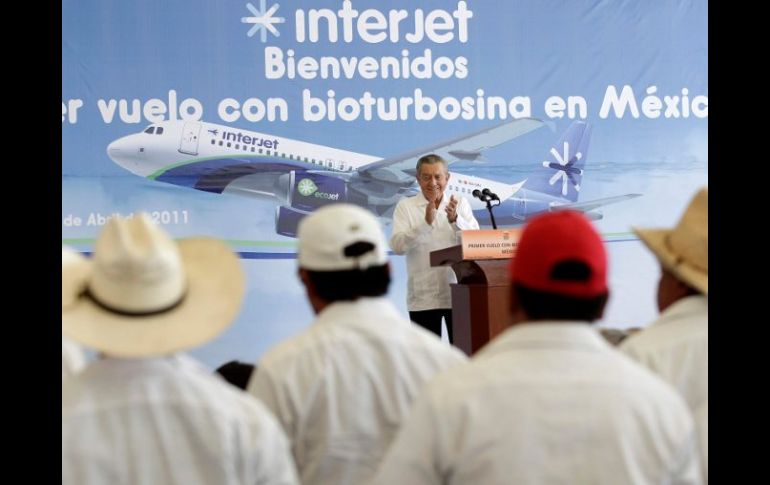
[{"x": 195, "y": 54}]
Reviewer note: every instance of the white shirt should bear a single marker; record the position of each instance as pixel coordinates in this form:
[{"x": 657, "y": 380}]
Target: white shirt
[
  {"x": 73, "y": 359},
  {"x": 428, "y": 287},
  {"x": 676, "y": 347},
  {"x": 545, "y": 403},
  {"x": 167, "y": 421},
  {"x": 702, "y": 425},
  {"x": 343, "y": 386}
]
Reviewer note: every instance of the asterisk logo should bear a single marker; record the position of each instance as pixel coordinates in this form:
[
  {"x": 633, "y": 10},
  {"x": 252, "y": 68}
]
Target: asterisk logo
[
  {"x": 263, "y": 20},
  {"x": 564, "y": 168}
]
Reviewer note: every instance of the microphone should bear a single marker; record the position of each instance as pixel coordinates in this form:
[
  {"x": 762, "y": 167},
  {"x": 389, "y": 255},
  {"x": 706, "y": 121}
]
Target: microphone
[
  {"x": 490, "y": 195},
  {"x": 480, "y": 195}
]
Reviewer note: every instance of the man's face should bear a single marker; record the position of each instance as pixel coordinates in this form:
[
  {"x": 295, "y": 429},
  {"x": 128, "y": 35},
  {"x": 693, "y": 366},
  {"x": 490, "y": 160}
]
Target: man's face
[{"x": 432, "y": 178}]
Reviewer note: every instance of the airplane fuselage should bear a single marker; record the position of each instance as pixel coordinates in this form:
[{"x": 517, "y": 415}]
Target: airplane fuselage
[{"x": 168, "y": 146}]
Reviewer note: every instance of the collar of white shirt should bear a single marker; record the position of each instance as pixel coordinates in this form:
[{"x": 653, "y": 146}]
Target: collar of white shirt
[
  {"x": 565, "y": 335},
  {"x": 421, "y": 201},
  {"x": 364, "y": 309}
]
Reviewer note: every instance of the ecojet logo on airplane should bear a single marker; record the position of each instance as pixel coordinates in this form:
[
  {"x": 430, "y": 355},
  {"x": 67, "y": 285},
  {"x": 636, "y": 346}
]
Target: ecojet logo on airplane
[{"x": 307, "y": 188}]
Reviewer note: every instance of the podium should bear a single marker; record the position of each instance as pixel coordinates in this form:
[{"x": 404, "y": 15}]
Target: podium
[{"x": 480, "y": 298}]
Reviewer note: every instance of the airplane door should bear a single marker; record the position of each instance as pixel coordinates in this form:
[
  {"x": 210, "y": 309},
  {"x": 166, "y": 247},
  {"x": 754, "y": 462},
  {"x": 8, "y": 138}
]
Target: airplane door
[{"x": 189, "y": 142}]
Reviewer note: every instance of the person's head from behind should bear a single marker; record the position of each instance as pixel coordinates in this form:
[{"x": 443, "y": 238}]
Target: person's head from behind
[
  {"x": 682, "y": 253},
  {"x": 147, "y": 295},
  {"x": 432, "y": 176},
  {"x": 342, "y": 255},
  {"x": 559, "y": 271}
]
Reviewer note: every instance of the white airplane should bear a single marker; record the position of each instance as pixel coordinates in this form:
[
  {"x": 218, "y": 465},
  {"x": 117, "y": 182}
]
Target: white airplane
[{"x": 302, "y": 176}]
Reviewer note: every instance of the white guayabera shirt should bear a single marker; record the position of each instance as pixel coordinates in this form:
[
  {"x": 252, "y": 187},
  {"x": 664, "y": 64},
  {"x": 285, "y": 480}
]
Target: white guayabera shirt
[
  {"x": 167, "y": 421},
  {"x": 428, "y": 287},
  {"x": 342, "y": 388},
  {"x": 676, "y": 347},
  {"x": 548, "y": 402}
]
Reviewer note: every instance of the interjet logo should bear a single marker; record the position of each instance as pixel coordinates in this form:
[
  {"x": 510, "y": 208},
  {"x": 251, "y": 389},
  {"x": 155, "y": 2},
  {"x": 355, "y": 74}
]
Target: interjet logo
[
  {"x": 262, "y": 20},
  {"x": 564, "y": 168}
]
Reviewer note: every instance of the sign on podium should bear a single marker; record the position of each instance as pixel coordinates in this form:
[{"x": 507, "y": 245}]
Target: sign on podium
[
  {"x": 480, "y": 296},
  {"x": 490, "y": 243}
]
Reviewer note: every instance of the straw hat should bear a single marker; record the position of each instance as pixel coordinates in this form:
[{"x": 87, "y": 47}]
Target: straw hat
[
  {"x": 684, "y": 250},
  {"x": 147, "y": 295}
]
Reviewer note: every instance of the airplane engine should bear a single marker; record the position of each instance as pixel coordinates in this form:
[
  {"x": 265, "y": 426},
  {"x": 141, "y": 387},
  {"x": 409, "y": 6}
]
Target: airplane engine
[
  {"x": 305, "y": 192},
  {"x": 287, "y": 220},
  {"x": 309, "y": 191}
]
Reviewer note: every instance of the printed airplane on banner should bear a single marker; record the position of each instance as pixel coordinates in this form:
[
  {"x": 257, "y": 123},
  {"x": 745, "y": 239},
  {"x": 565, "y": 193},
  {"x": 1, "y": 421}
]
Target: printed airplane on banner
[{"x": 302, "y": 176}]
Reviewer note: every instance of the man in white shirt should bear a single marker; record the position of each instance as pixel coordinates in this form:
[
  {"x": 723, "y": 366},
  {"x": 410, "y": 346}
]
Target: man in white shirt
[
  {"x": 423, "y": 223},
  {"x": 143, "y": 412},
  {"x": 676, "y": 345},
  {"x": 342, "y": 387},
  {"x": 548, "y": 400}
]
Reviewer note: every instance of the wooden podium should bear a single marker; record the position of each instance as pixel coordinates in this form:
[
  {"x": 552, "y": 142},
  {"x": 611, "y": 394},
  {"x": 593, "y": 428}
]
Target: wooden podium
[{"x": 480, "y": 298}]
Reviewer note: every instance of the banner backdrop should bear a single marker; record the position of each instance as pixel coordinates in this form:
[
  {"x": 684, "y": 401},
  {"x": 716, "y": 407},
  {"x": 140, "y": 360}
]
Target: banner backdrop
[{"x": 236, "y": 118}]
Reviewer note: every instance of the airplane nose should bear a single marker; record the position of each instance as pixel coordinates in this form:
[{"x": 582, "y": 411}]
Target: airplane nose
[
  {"x": 116, "y": 150},
  {"x": 124, "y": 150}
]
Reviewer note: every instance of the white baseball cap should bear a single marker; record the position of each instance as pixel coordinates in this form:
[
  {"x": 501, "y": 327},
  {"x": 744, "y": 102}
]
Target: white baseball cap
[{"x": 340, "y": 237}]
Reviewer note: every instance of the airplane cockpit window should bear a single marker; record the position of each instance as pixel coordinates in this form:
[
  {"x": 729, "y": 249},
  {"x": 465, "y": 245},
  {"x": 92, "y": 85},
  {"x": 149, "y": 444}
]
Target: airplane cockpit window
[
  {"x": 159, "y": 131},
  {"x": 150, "y": 130}
]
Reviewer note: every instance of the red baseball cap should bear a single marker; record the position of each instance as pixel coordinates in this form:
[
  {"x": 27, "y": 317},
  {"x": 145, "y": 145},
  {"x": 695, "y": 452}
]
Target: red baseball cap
[{"x": 560, "y": 237}]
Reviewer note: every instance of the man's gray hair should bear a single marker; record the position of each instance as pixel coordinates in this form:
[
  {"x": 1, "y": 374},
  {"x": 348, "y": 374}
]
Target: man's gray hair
[{"x": 430, "y": 159}]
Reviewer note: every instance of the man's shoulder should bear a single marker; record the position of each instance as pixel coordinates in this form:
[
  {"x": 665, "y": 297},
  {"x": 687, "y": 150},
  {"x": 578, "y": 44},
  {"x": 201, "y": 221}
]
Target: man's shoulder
[
  {"x": 664, "y": 336},
  {"x": 409, "y": 200},
  {"x": 292, "y": 348}
]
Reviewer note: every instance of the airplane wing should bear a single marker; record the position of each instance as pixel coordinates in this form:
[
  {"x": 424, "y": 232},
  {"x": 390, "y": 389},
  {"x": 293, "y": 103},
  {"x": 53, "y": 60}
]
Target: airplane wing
[
  {"x": 401, "y": 168},
  {"x": 593, "y": 204}
]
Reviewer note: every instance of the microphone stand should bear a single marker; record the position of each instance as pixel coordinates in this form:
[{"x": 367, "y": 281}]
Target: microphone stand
[
  {"x": 491, "y": 215},
  {"x": 487, "y": 196}
]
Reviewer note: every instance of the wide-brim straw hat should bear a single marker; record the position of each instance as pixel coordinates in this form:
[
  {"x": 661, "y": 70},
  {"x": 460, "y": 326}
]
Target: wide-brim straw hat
[
  {"x": 684, "y": 250},
  {"x": 147, "y": 295}
]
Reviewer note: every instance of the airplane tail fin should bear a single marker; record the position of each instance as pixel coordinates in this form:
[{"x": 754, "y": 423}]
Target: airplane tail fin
[{"x": 562, "y": 169}]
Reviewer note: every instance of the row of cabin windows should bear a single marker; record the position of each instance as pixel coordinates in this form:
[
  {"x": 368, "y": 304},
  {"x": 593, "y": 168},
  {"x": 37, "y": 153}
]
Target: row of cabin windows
[
  {"x": 461, "y": 189},
  {"x": 247, "y": 148},
  {"x": 238, "y": 146}
]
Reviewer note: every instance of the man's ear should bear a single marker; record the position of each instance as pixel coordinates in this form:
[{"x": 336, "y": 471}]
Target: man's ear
[{"x": 305, "y": 279}]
